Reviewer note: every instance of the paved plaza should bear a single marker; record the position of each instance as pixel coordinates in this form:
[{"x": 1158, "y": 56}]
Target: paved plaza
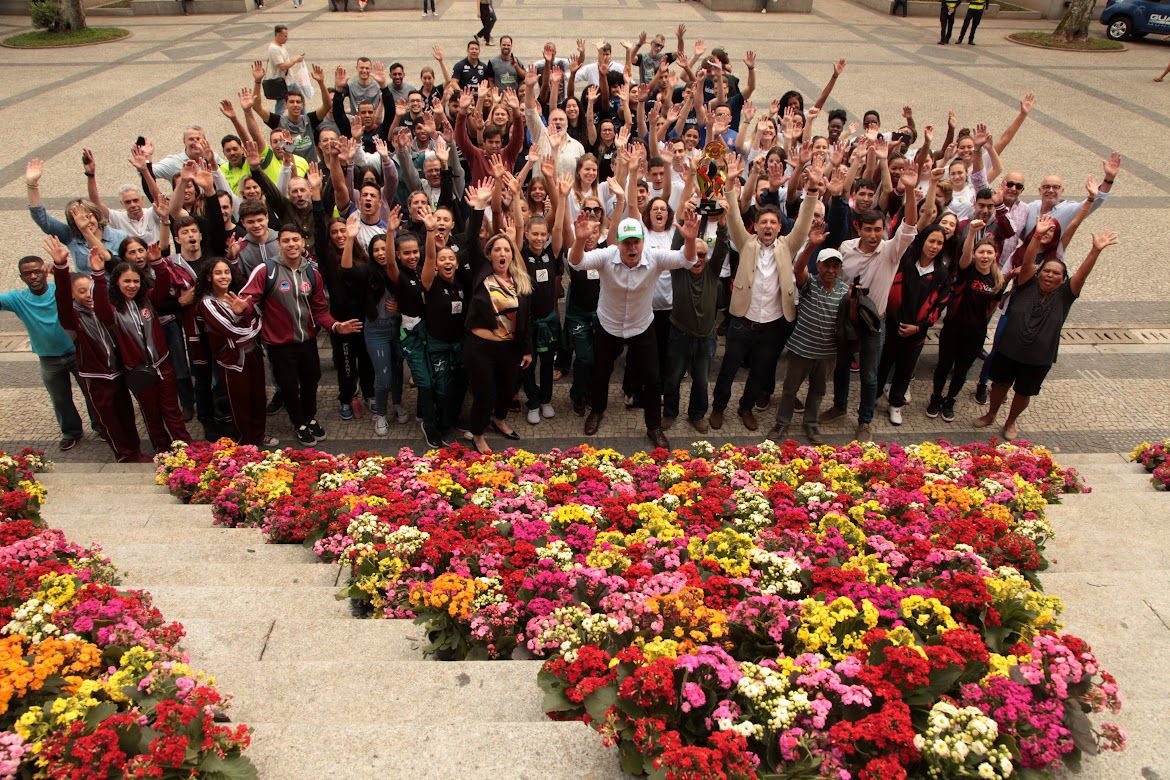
[{"x": 1107, "y": 391}]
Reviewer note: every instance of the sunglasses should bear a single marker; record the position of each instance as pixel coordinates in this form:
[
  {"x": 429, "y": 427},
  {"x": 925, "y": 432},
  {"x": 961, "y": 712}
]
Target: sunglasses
[
  {"x": 1014, "y": 185},
  {"x": 591, "y": 209}
]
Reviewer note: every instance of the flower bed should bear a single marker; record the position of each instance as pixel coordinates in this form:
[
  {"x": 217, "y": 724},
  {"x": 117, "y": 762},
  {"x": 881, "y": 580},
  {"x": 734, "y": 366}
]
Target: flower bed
[
  {"x": 93, "y": 683},
  {"x": 864, "y": 611},
  {"x": 1155, "y": 457}
]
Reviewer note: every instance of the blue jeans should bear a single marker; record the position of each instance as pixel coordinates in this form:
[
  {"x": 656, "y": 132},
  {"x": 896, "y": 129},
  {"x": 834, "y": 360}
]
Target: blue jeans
[
  {"x": 761, "y": 348},
  {"x": 55, "y": 372},
  {"x": 177, "y": 344},
  {"x": 869, "y": 352},
  {"x": 386, "y": 356},
  {"x": 687, "y": 353}
]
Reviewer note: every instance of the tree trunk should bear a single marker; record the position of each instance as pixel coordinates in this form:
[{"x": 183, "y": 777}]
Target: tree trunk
[
  {"x": 1074, "y": 25},
  {"x": 74, "y": 14}
]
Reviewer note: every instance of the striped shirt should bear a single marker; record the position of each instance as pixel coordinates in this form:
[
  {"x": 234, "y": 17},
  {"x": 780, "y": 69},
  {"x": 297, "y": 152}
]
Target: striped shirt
[{"x": 815, "y": 336}]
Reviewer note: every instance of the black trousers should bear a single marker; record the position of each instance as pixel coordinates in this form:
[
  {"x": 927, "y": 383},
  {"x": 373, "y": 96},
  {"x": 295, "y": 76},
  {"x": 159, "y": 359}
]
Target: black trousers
[
  {"x": 946, "y": 21},
  {"x": 958, "y": 348},
  {"x": 487, "y": 16},
  {"x": 493, "y": 369},
  {"x": 641, "y": 369},
  {"x": 899, "y": 357},
  {"x": 353, "y": 366},
  {"x": 972, "y": 18},
  {"x": 903, "y": 4},
  {"x": 297, "y": 369}
]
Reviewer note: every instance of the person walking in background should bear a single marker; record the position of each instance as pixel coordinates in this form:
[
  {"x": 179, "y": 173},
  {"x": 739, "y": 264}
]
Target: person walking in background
[
  {"x": 429, "y": 4},
  {"x": 974, "y": 15},
  {"x": 903, "y": 4},
  {"x": 1159, "y": 78},
  {"x": 487, "y": 16},
  {"x": 946, "y": 20}
]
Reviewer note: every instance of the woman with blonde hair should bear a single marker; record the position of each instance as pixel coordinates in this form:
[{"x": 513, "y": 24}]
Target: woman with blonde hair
[{"x": 498, "y": 344}]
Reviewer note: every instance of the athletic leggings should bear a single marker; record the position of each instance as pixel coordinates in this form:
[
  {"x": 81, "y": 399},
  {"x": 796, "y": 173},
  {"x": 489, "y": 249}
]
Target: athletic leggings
[
  {"x": 428, "y": 5},
  {"x": 958, "y": 348}
]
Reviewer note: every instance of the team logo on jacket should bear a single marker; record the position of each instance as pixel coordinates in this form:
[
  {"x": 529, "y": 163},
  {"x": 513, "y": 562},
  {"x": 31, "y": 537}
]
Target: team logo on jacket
[{"x": 285, "y": 286}]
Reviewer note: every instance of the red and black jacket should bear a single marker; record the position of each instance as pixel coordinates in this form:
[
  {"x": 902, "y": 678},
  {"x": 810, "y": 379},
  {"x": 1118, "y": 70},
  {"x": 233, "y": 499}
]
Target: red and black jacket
[
  {"x": 918, "y": 299},
  {"x": 135, "y": 325},
  {"x": 97, "y": 354}
]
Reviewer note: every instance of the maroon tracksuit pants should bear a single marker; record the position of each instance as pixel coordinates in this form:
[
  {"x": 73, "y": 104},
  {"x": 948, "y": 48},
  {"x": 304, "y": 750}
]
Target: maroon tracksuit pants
[
  {"x": 114, "y": 411},
  {"x": 245, "y": 391},
  {"x": 160, "y": 408}
]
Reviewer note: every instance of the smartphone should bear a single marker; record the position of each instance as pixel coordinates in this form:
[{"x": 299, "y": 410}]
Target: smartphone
[{"x": 140, "y": 141}]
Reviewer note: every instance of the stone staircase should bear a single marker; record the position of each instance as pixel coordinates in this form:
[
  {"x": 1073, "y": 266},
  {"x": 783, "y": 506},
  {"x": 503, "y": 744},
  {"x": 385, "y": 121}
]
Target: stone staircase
[{"x": 331, "y": 696}]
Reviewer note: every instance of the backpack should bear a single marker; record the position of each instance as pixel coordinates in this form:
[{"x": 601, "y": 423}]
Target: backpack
[{"x": 310, "y": 271}]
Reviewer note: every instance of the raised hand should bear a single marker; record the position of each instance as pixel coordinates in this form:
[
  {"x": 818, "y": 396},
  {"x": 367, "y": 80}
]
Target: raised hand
[
  {"x": 616, "y": 189},
  {"x": 910, "y": 175},
  {"x": 353, "y": 226},
  {"x": 437, "y": 53},
  {"x": 975, "y": 225},
  {"x": 318, "y": 75},
  {"x": 251, "y": 154},
  {"x": 33, "y": 172},
  {"x": 816, "y": 232},
  {"x": 340, "y": 78},
  {"x": 394, "y": 220},
  {"x": 1027, "y": 102},
  {"x": 839, "y": 67},
  {"x": 237, "y": 304},
  {"x": 97, "y": 260},
  {"x": 441, "y": 149},
  {"x": 227, "y": 109},
  {"x": 749, "y": 59},
  {"x": 88, "y": 162},
  {"x": 380, "y": 148},
  {"x": 1044, "y": 226},
  {"x": 246, "y": 99},
  {"x": 981, "y": 137},
  {"x": 57, "y": 251},
  {"x": 380, "y": 74},
  {"x": 1104, "y": 239},
  {"x": 479, "y": 197},
  {"x": 689, "y": 229},
  {"x": 258, "y": 70},
  {"x": 734, "y": 168},
  {"x": 1091, "y": 187},
  {"x": 189, "y": 171},
  {"x": 952, "y": 119},
  {"x": 314, "y": 176},
  {"x": 584, "y": 227},
  {"x": 564, "y": 185},
  {"x": 1112, "y": 165}
]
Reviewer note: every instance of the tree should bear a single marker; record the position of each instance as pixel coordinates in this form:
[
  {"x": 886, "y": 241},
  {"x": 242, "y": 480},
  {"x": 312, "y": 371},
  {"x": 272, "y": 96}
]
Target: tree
[
  {"x": 54, "y": 16},
  {"x": 1074, "y": 25}
]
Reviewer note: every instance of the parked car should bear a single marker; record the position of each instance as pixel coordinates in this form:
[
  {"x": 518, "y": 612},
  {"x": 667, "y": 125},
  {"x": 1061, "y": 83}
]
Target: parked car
[{"x": 1135, "y": 18}]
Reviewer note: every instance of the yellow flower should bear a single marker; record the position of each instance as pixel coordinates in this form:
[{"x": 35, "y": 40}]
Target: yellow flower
[{"x": 928, "y": 616}]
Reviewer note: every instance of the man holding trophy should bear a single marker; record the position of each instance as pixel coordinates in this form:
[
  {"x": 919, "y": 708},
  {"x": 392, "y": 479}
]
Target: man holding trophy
[{"x": 763, "y": 293}]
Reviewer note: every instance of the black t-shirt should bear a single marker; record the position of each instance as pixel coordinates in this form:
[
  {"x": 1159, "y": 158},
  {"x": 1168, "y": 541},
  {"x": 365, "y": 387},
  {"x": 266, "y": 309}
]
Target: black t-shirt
[
  {"x": 1034, "y": 321},
  {"x": 584, "y": 287},
  {"x": 469, "y": 75},
  {"x": 446, "y": 310},
  {"x": 973, "y": 299},
  {"x": 409, "y": 292},
  {"x": 545, "y": 271}
]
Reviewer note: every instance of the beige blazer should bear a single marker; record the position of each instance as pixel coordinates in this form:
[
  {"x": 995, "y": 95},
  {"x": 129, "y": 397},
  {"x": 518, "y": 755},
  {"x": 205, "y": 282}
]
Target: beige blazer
[{"x": 785, "y": 248}]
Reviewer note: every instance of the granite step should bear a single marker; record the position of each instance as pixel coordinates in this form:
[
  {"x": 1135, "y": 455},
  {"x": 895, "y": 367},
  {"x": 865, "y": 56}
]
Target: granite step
[
  {"x": 218, "y": 643},
  {"x": 231, "y": 600},
  {"x": 244, "y": 575}
]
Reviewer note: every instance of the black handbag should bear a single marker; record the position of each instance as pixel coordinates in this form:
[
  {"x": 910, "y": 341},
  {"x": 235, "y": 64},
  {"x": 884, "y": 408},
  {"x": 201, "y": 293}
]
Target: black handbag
[
  {"x": 275, "y": 89},
  {"x": 140, "y": 378}
]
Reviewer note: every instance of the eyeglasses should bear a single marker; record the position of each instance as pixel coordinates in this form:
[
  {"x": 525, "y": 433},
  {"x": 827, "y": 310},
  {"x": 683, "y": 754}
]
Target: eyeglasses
[
  {"x": 1014, "y": 185},
  {"x": 1052, "y": 187}
]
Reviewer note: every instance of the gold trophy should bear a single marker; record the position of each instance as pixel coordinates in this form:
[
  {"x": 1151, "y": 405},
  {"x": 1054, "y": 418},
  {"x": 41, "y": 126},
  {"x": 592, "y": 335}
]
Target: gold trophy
[{"x": 711, "y": 172}]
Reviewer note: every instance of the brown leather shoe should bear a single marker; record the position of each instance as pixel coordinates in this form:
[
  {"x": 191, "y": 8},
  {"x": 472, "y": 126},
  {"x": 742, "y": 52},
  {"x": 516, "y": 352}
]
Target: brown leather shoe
[
  {"x": 716, "y": 420},
  {"x": 592, "y": 423},
  {"x": 699, "y": 425},
  {"x": 667, "y": 423},
  {"x": 658, "y": 437},
  {"x": 830, "y": 414},
  {"x": 749, "y": 419}
]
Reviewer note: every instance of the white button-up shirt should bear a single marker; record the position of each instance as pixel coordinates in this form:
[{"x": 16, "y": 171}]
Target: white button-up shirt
[
  {"x": 765, "y": 304},
  {"x": 624, "y": 307},
  {"x": 878, "y": 268}
]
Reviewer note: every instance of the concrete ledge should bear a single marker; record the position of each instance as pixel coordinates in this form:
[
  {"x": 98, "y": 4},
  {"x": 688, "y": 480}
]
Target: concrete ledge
[
  {"x": 774, "y": 6},
  {"x": 175, "y": 8},
  {"x": 928, "y": 8}
]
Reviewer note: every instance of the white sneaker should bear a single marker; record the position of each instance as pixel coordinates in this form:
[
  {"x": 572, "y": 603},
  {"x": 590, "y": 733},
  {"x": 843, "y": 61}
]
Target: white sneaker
[
  {"x": 381, "y": 425},
  {"x": 547, "y": 410},
  {"x": 533, "y": 416},
  {"x": 907, "y": 398},
  {"x": 896, "y": 415},
  {"x": 400, "y": 413},
  {"x": 271, "y": 441}
]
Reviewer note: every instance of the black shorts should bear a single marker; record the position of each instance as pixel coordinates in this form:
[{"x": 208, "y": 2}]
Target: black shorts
[{"x": 1025, "y": 378}]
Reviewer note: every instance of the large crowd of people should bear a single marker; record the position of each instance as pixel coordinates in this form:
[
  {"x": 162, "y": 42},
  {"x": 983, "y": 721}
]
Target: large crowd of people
[{"x": 515, "y": 219}]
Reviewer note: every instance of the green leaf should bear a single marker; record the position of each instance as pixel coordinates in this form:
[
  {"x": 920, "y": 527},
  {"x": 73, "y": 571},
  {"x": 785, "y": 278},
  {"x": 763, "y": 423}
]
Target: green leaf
[
  {"x": 633, "y": 762},
  {"x": 233, "y": 768},
  {"x": 1078, "y": 723},
  {"x": 599, "y": 702},
  {"x": 100, "y": 713}
]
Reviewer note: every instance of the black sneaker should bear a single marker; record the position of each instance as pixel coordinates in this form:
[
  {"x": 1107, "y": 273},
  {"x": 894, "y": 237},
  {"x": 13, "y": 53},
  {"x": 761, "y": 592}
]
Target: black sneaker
[
  {"x": 798, "y": 405},
  {"x": 948, "y": 410},
  {"x": 934, "y": 407},
  {"x": 981, "y": 395},
  {"x": 67, "y": 443},
  {"x": 449, "y": 438},
  {"x": 316, "y": 429},
  {"x": 275, "y": 405},
  {"x": 305, "y": 436},
  {"x": 579, "y": 407},
  {"x": 433, "y": 440}
]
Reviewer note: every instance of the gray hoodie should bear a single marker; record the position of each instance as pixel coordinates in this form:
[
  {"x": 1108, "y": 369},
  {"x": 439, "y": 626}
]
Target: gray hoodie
[{"x": 255, "y": 253}]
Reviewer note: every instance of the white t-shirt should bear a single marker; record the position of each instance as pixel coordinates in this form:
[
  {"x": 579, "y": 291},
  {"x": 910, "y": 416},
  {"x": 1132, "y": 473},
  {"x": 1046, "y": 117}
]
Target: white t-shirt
[
  {"x": 277, "y": 56},
  {"x": 588, "y": 73},
  {"x": 663, "y": 299}
]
